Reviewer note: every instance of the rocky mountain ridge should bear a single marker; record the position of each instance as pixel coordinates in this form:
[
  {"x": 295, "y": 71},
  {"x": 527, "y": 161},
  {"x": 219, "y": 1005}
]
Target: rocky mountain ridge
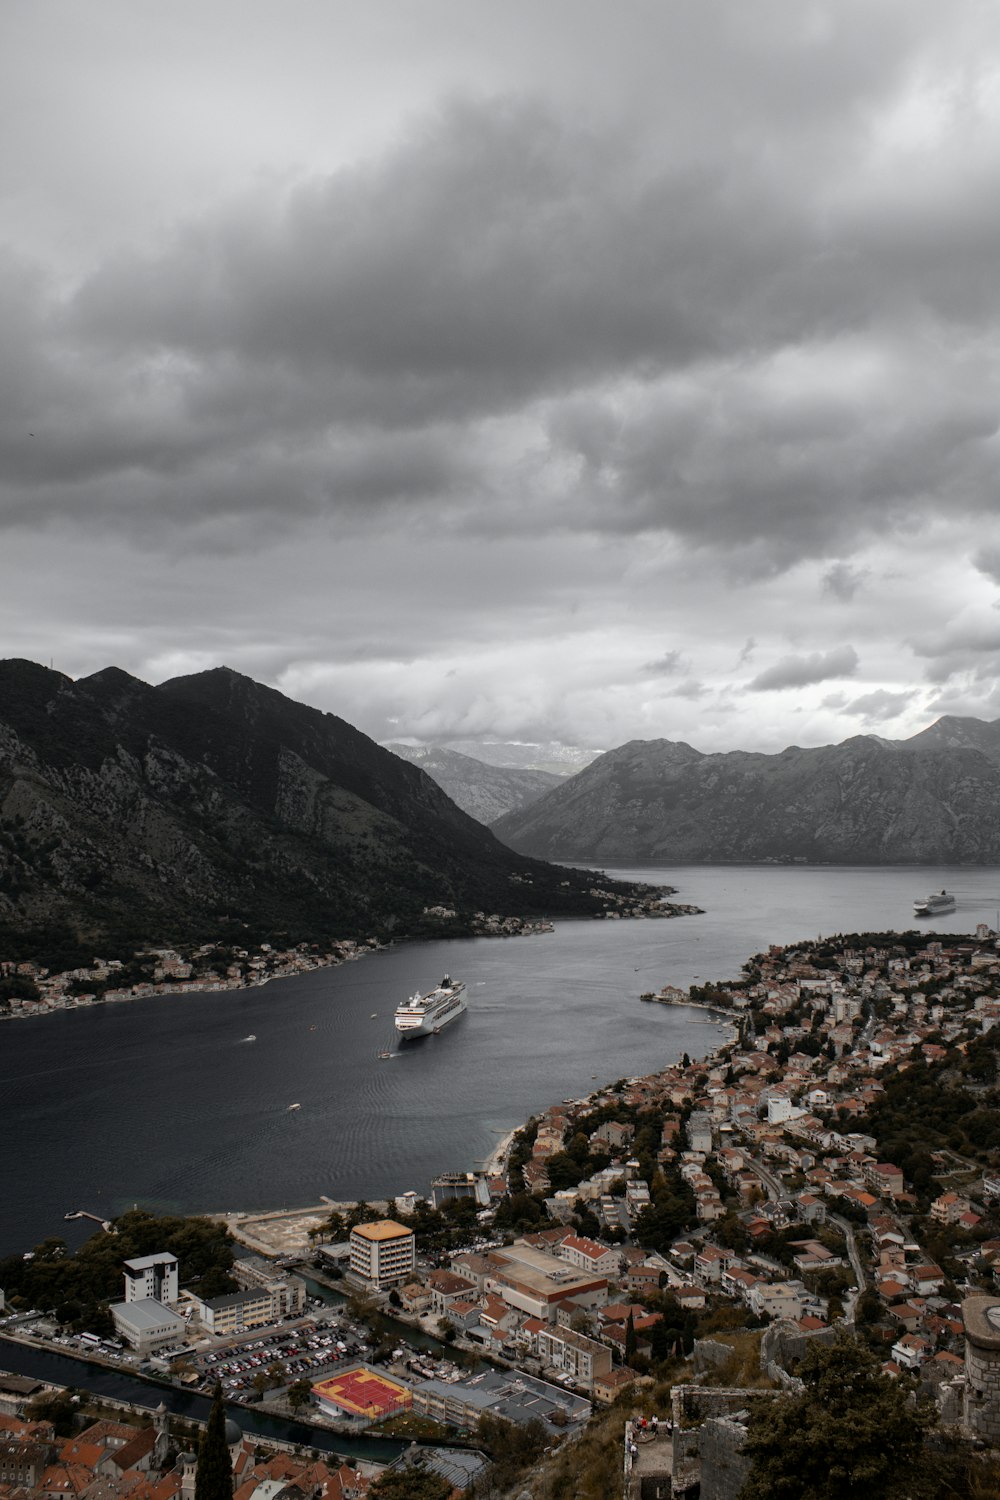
[
  {"x": 131, "y": 813},
  {"x": 485, "y": 792},
  {"x": 932, "y": 799}
]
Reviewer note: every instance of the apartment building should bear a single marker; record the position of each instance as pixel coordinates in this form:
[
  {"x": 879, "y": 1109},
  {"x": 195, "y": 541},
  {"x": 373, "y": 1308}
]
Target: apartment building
[
  {"x": 382, "y": 1254},
  {"x": 151, "y": 1276},
  {"x": 573, "y": 1354}
]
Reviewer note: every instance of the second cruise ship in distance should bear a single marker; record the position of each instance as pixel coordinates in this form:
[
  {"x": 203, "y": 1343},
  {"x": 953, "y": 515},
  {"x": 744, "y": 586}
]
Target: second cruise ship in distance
[
  {"x": 424, "y": 1015},
  {"x": 930, "y": 906}
]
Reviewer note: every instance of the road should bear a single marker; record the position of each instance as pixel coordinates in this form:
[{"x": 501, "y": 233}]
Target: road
[{"x": 777, "y": 1190}]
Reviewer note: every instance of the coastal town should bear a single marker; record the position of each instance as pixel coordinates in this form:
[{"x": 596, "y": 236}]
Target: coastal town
[
  {"x": 29, "y": 988},
  {"x": 833, "y": 1161}
]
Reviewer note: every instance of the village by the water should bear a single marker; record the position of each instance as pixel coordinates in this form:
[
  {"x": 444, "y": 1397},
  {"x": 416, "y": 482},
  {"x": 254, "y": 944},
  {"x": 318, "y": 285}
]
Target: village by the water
[{"x": 668, "y": 1247}]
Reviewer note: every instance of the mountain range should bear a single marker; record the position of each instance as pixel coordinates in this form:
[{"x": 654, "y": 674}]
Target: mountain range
[
  {"x": 485, "y": 792},
  {"x": 131, "y": 813},
  {"x": 931, "y": 799}
]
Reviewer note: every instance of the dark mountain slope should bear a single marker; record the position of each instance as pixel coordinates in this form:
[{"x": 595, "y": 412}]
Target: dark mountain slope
[
  {"x": 129, "y": 813},
  {"x": 865, "y": 801}
]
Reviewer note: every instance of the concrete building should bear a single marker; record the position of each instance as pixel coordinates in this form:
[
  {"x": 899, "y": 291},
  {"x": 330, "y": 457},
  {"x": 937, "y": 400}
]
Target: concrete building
[
  {"x": 288, "y": 1293},
  {"x": 151, "y": 1276},
  {"x": 446, "y": 1288},
  {"x": 573, "y": 1354},
  {"x": 535, "y": 1282},
  {"x": 515, "y": 1396},
  {"x": 699, "y": 1131},
  {"x": 382, "y": 1254},
  {"x": 147, "y": 1325},
  {"x": 231, "y": 1313}
]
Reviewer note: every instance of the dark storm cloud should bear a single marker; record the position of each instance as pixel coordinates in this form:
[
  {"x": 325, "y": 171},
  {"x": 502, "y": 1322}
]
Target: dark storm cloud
[
  {"x": 519, "y": 316},
  {"x": 878, "y": 706},
  {"x": 842, "y": 581},
  {"x": 665, "y": 666},
  {"x": 800, "y": 671},
  {"x": 987, "y": 560}
]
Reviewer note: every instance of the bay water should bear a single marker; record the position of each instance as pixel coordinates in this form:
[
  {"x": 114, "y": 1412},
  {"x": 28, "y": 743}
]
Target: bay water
[{"x": 162, "y": 1102}]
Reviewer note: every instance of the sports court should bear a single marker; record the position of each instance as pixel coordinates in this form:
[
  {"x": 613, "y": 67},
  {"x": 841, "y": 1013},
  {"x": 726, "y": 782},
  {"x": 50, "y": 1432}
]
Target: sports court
[{"x": 363, "y": 1392}]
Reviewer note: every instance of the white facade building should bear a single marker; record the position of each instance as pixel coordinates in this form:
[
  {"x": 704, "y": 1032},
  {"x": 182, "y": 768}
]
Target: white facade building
[
  {"x": 151, "y": 1276},
  {"x": 147, "y": 1325}
]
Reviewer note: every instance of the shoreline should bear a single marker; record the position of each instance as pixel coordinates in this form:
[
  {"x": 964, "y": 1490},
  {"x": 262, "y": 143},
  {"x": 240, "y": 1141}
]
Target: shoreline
[
  {"x": 58, "y": 1002},
  {"x": 243, "y": 1223}
]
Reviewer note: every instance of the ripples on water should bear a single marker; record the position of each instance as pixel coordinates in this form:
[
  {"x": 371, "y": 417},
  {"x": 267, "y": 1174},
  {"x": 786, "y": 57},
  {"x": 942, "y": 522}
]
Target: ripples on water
[{"x": 162, "y": 1102}]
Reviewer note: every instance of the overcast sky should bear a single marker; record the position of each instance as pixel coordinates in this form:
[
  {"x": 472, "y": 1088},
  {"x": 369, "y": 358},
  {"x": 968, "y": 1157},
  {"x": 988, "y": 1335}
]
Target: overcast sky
[{"x": 546, "y": 369}]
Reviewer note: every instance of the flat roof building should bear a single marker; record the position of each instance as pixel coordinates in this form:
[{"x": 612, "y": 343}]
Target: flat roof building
[
  {"x": 536, "y": 1283},
  {"x": 515, "y": 1396},
  {"x": 383, "y": 1254},
  {"x": 151, "y": 1276},
  {"x": 147, "y": 1325},
  {"x": 233, "y": 1311}
]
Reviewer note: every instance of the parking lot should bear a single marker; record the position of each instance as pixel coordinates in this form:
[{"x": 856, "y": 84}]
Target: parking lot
[{"x": 286, "y": 1354}]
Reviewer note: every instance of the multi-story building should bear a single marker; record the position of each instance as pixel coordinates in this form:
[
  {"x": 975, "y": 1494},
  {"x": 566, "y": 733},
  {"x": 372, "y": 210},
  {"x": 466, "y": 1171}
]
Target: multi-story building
[
  {"x": 573, "y": 1354},
  {"x": 151, "y": 1276},
  {"x": 589, "y": 1255},
  {"x": 22, "y": 1463},
  {"x": 382, "y": 1254},
  {"x": 234, "y": 1311},
  {"x": 699, "y": 1131},
  {"x": 288, "y": 1293},
  {"x": 536, "y": 1283}
]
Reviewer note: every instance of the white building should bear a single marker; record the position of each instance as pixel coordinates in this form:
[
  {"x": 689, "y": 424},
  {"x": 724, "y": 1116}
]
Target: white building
[
  {"x": 589, "y": 1255},
  {"x": 699, "y": 1131},
  {"x": 147, "y": 1325},
  {"x": 151, "y": 1276},
  {"x": 382, "y": 1254}
]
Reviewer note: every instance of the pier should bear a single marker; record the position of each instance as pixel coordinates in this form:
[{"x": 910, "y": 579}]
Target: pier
[{"x": 81, "y": 1213}]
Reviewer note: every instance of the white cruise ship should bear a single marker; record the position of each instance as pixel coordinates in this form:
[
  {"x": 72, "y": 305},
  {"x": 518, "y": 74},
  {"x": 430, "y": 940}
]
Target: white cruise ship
[
  {"x": 424, "y": 1015},
  {"x": 932, "y": 906}
]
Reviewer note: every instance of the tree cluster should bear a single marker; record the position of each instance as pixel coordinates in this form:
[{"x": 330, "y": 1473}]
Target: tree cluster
[{"x": 79, "y": 1286}]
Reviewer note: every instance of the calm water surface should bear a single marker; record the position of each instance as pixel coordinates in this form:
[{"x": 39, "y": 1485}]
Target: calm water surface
[{"x": 161, "y": 1102}]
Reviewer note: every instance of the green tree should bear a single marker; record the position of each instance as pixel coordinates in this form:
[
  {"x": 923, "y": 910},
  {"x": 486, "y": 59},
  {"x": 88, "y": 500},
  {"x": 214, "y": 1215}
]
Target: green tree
[
  {"x": 630, "y": 1339},
  {"x": 848, "y": 1433},
  {"x": 298, "y": 1394},
  {"x": 59, "y": 1408},
  {"x": 213, "y": 1478},
  {"x": 410, "y": 1483}
]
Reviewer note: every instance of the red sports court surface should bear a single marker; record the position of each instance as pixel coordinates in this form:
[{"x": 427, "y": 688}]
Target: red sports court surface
[{"x": 364, "y": 1393}]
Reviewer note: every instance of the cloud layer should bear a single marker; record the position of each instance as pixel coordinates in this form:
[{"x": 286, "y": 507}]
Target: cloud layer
[{"x": 538, "y": 389}]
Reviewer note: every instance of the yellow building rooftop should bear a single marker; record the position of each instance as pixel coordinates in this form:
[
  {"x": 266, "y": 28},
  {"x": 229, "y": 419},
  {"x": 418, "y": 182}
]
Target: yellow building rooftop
[{"x": 383, "y": 1229}]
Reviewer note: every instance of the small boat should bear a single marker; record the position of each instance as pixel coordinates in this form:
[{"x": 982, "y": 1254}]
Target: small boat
[
  {"x": 384, "y": 1053},
  {"x": 293, "y": 1106},
  {"x": 250, "y": 1038},
  {"x": 374, "y": 1015}
]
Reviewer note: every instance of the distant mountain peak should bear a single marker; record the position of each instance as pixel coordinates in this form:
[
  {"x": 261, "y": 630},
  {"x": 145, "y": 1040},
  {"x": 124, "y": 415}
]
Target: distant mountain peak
[{"x": 484, "y": 791}]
